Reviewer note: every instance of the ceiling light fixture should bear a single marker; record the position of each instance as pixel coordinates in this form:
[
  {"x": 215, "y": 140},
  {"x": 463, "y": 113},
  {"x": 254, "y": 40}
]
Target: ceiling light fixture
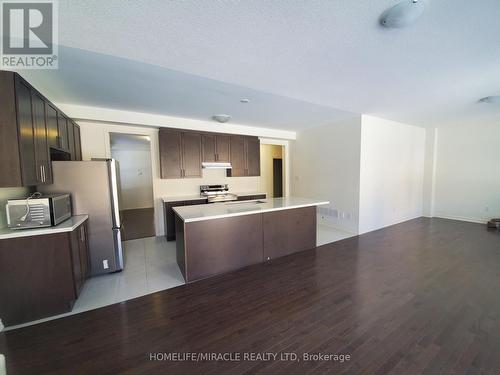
[
  {"x": 491, "y": 100},
  {"x": 245, "y": 100},
  {"x": 402, "y": 14},
  {"x": 221, "y": 118}
]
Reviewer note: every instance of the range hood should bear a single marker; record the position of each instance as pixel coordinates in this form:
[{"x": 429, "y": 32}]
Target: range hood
[{"x": 216, "y": 165}]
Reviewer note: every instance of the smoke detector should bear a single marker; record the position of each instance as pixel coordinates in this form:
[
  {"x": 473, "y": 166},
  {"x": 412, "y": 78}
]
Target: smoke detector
[
  {"x": 402, "y": 14},
  {"x": 221, "y": 118}
]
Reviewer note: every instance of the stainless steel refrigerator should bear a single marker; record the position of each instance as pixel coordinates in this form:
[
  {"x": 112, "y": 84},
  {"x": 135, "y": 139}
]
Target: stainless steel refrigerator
[{"x": 94, "y": 188}]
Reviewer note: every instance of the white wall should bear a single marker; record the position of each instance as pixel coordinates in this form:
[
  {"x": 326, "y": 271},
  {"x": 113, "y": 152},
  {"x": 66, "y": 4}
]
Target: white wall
[
  {"x": 467, "y": 184},
  {"x": 8, "y": 193},
  {"x": 391, "y": 173},
  {"x": 325, "y": 165}
]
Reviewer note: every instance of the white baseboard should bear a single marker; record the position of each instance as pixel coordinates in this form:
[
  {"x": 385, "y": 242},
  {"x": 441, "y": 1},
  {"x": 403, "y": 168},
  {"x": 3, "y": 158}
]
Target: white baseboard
[
  {"x": 399, "y": 221},
  {"x": 461, "y": 218}
]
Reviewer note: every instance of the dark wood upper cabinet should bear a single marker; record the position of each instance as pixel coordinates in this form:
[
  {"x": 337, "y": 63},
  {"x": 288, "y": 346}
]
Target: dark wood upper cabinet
[
  {"x": 252, "y": 153},
  {"x": 180, "y": 154},
  {"x": 209, "y": 148},
  {"x": 62, "y": 125},
  {"x": 170, "y": 153},
  {"x": 52, "y": 127},
  {"x": 245, "y": 156},
  {"x": 78, "y": 145},
  {"x": 223, "y": 148},
  {"x": 237, "y": 157},
  {"x": 30, "y": 125},
  {"x": 41, "y": 146},
  {"x": 71, "y": 140},
  {"x": 28, "y": 165},
  {"x": 216, "y": 148},
  {"x": 191, "y": 154}
]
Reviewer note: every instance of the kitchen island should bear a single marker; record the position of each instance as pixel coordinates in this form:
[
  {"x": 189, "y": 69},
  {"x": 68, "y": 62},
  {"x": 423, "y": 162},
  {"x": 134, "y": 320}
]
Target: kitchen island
[{"x": 221, "y": 237}]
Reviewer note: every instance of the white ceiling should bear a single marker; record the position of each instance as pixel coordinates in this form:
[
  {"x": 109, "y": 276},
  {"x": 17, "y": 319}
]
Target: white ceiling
[{"x": 325, "y": 54}]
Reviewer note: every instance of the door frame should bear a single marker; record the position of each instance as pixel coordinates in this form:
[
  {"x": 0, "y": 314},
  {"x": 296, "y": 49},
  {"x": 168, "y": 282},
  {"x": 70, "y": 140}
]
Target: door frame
[
  {"x": 107, "y": 129},
  {"x": 286, "y": 160}
]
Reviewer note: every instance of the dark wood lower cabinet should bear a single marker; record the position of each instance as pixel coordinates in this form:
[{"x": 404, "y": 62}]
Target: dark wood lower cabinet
[
  {"x": 251, "y": 197},
  {"x": 169, "y": 215},
  {"x": 209, "y": 247},
  {"x": 41, "y": 276}
]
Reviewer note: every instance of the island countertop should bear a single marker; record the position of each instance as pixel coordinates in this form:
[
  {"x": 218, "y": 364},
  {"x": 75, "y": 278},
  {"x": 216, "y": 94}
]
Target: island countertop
[{"x": 228, "y": 209}]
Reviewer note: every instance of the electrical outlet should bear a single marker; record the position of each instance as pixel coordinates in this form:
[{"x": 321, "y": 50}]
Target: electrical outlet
[{"x": 105, "y": 264}]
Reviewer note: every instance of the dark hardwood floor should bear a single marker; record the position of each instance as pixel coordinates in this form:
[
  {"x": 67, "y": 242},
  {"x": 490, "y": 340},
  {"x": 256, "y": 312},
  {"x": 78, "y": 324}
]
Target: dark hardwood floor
[
  {"x": 138, "y": 223},
  {"x": 421, "y": 297}
]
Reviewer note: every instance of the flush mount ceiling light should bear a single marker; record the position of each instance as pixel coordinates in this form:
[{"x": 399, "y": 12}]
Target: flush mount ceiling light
[
  {"x": 402, "y": 14},
  {"x": 245, "y": 100},
  {"x": 221, "y": 118},
  {"x": 491, "y": 100}
]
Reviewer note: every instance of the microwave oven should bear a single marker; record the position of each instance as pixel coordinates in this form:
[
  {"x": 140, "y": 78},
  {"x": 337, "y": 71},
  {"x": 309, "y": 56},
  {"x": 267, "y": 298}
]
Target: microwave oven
[{"x": 38, "y": 211}]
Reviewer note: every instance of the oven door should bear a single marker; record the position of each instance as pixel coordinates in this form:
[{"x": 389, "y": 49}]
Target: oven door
[{"x": 60, "y": 208}]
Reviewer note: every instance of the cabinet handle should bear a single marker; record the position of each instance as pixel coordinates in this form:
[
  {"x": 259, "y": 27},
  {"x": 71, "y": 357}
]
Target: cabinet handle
[{"x": 44, "y": 176}]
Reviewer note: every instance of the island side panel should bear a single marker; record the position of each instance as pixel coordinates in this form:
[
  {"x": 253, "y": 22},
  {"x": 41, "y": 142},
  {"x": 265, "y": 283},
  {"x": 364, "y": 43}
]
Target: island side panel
[
  {"x": 289, "y": 231},
  {"x": 180, "y": 245},
  {"x": 220, "y": 245}
]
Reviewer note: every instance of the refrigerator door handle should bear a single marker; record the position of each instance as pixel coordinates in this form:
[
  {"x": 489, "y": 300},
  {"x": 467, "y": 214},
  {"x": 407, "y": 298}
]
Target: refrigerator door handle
[
  {"x": 113, "y": 186},
  {"x": 118, "y": 249}
]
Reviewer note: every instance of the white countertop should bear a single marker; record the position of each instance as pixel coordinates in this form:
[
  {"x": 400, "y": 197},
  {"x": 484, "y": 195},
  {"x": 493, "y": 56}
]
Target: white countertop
[
  {"x": 229, "y": 209},
  {"x": 66, "y": 226},
  {"x": 198, "y": 197}
]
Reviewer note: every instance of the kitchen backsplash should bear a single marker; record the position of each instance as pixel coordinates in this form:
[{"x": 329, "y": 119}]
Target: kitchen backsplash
[
  {"x": 5, "y": 194},
  {"x": 191, "y": 186}
]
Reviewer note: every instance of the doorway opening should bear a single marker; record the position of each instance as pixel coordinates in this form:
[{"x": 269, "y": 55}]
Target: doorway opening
[
  {"x": 272, "y": 171},
  {"x": 133, "y": 153}
]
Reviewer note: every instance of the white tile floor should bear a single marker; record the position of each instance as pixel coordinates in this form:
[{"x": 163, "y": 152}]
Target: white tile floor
[
  {"x": 327, "y": 234},
  {"x": 150, "y": 266}
]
